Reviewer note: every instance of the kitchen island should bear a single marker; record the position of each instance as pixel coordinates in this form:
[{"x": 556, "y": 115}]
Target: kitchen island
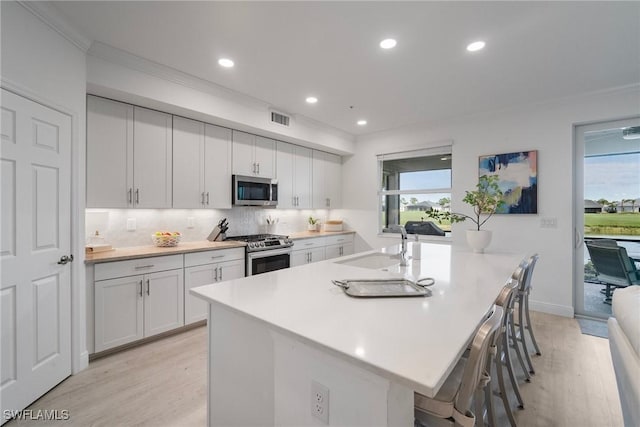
[{"x": 274, "y": 337}]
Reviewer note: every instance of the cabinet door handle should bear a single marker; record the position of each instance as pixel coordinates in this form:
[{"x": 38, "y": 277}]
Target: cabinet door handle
[
  {"x": 137, "y": 196},
  {"x": 140, "y": 288},
  {"x": 220, "y": 273},
  {"x": 216, "y": 270},
  {"x": 202, "y": 198},
  {"x": 207, "y": 198},
  {"x": 308, "y": 244},
  {"x": 254, "y": 168},
  {"x": 140, "y": 267},
  {"x": 130, "y": 195},
  {"x": 148, "y": 288},
  {"x": 258, "y": 168},
  {"x": 217, "y": 256}
]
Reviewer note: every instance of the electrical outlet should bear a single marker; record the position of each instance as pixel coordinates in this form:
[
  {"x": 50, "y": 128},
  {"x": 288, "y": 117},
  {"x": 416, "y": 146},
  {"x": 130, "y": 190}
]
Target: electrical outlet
[
  {"x": 191, "y": 222},
  {"x": 320, "y": 402},
  {"x": 131, "y": 224}
]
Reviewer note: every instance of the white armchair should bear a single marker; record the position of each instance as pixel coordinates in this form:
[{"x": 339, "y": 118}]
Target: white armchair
[{"x": 624, "y": 342}]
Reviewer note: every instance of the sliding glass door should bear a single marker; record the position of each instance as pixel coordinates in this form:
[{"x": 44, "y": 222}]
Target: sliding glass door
[{"x": 606, "y": 204}]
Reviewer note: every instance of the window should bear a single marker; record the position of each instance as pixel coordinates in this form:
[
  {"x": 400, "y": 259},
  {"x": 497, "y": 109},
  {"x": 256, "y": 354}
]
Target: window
[{"x": 411, "y": 183}]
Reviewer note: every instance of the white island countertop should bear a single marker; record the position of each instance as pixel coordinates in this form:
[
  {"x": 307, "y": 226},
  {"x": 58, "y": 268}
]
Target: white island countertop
[{"x": 414, "y": 341}]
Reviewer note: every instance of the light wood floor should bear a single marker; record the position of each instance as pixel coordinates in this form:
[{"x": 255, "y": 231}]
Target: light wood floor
[{"x": 164, "y": 383}]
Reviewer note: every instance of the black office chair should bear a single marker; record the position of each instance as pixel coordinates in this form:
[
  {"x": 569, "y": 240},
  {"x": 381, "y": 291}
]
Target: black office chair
[
  {"x": 423, "y": 228},
  {"x": 613, "y": 266}
]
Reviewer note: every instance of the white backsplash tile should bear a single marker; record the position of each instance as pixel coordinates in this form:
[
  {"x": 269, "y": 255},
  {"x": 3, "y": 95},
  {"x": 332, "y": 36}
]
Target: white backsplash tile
[{"x": 112, "y": 223}]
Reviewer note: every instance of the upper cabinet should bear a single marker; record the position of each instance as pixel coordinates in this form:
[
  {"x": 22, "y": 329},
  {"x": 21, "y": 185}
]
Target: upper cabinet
[
  {"x": 201, "y": 165},
  {"x": 152, "y": 158},
  {"x": 327, "y": 180},
  {"x": 253, "y": 155},
  {"x": 109, "y": 154},
  {"x": 129, "y": 156},
  {"x": 294, "y": 176}
]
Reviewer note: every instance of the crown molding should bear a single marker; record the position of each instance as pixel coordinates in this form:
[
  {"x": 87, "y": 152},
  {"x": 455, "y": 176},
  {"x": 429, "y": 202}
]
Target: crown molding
[{"x": 50, "y": 16}]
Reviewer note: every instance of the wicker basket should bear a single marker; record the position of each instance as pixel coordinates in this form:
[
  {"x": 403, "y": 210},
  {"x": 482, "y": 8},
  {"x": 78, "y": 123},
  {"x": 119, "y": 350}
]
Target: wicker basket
[{"x": 166, "y": 241}]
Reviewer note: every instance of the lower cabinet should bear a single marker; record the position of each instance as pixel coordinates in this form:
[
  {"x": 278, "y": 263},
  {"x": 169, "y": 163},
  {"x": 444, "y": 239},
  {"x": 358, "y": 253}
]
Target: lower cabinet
[
  {"x": 196, "y": 309},
  {"x": 205, "y": 268},
  {"x": 335, "y": 251},
  {"x": 134, "y": 307},
  {"x": 307, "y": 256},
  {"x": 314, "y": 249}
]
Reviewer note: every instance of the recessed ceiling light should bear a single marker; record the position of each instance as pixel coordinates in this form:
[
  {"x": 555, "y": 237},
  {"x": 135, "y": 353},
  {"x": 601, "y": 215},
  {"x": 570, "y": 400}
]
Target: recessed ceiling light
[
  {"x": 388, "y": 43},
  {"x": 476, "y": 46},
  {"x": 361, "y": 122},
  {"x": 444, "y": 158},
  {"x": 225, "y": 62},
  {"x": 311, "y": 99}
]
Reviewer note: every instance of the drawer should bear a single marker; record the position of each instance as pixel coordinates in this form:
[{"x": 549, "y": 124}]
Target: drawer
[
  {"x": 302, "y": 244},
  {"x": 111, "y": 270},
  {"x": 212, "y": 257},
  {"x": 339, "y": 239}
]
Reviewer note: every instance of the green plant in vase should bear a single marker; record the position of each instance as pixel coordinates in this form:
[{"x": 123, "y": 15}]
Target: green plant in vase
[{"x": 486, "y": 199}]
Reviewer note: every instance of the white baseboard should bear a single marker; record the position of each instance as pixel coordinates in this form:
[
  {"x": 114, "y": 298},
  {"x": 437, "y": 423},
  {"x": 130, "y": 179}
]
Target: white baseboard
[{"x": 545, "y": 307}]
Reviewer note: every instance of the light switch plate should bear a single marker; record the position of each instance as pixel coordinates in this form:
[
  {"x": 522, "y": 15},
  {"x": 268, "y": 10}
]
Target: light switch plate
[
  {"x": 131, "y": 224},
  {"x": 549, "y": 222},
  {"x": 191, "y": 222}
]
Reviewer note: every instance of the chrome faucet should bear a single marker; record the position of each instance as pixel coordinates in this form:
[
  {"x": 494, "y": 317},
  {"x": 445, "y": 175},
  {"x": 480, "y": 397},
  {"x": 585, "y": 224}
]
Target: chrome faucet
[{"x": 403, "y": 251}]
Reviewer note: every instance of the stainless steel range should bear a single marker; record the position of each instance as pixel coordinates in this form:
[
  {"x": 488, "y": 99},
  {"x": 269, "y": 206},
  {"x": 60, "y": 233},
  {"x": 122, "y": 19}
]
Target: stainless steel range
[{"x": 265, "y": 252}]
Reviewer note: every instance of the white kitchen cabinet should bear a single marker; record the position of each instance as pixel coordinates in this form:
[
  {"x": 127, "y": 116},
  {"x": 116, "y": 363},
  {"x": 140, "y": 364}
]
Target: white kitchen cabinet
[
  {"x": 129, "y": 156},
  {"x": 163, "y": 302},
  {"x": 294, "y": 176},
  {"x": 201, "y": 165},
  {"x": 119, "y": 311},
  {"x": 109, "y": 153},
  {"x": 253, "y": 155},
  {"x": 339, "y": 245},
  {"x": 327, "y": 180},
  {"x": 152, "y": 158},
  {"x": 128, "y": 307},
  {"x": 306, "y": 251},
  {"x": 217, "y": 166},
  {"x": 205, "y": 268}
]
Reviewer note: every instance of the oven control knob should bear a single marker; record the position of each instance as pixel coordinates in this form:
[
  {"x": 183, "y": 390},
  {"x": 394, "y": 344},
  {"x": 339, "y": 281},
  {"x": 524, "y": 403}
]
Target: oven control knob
[
  {"x": 251, "y": 245},
  {"x": 262, "y": 244}
]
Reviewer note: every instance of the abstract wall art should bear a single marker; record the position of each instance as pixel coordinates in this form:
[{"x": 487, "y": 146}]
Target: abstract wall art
[{"x": 518, "y": 180}]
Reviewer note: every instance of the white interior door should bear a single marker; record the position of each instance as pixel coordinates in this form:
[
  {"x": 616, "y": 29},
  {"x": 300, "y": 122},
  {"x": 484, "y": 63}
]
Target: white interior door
[{"x": 36, "y": 290}]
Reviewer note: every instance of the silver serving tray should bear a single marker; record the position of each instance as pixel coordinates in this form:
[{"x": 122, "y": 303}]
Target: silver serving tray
[{"x": 368, "y": 288}]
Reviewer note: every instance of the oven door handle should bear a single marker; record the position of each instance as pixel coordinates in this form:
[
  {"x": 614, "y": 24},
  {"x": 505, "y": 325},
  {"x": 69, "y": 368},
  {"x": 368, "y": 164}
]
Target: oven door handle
[{"x": 269, "y": 253}]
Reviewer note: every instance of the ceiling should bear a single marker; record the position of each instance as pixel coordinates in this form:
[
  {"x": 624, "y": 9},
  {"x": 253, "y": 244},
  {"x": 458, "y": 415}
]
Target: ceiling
[{"x": 286, "y": 51}]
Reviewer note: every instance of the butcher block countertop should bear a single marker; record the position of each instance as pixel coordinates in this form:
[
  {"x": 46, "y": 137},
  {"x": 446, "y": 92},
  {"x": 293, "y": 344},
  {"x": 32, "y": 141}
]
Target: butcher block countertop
[{"x": 134, "y": 252}]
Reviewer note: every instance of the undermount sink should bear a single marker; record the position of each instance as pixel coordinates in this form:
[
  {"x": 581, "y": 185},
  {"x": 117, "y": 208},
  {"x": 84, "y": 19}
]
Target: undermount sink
[{"x": 373, "y": 261}]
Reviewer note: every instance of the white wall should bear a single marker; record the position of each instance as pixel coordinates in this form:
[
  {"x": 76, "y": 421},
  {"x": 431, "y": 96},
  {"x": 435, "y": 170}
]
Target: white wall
[
  {"x": 38, "y": 63},
  {"x": 119, "y": 75},
  {"x": 546, "y": 127}
]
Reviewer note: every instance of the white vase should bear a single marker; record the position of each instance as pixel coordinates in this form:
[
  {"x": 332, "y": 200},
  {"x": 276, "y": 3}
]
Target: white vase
[
  {"x": 478, "y": 240},
  {"x": 312, "y": 227}
]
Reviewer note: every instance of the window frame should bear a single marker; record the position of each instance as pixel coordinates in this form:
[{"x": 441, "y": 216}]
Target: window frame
[{"x": 440, "y": 150}]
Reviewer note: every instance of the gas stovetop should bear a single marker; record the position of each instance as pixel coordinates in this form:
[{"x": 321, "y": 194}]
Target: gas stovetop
[{"x": 263, "y": 242}]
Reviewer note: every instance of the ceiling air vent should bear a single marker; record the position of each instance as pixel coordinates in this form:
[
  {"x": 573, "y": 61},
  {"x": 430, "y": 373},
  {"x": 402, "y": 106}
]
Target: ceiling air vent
[{"x": 280, "y": 119}]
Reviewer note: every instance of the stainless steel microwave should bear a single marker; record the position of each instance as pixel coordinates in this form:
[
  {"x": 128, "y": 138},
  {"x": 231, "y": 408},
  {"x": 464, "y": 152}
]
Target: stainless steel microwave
[{"x": 254, "y": 191}]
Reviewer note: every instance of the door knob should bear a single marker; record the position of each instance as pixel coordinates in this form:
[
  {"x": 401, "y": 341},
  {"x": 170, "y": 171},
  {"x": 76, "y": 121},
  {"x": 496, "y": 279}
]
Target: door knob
[{"x": 65, "y": 259}]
